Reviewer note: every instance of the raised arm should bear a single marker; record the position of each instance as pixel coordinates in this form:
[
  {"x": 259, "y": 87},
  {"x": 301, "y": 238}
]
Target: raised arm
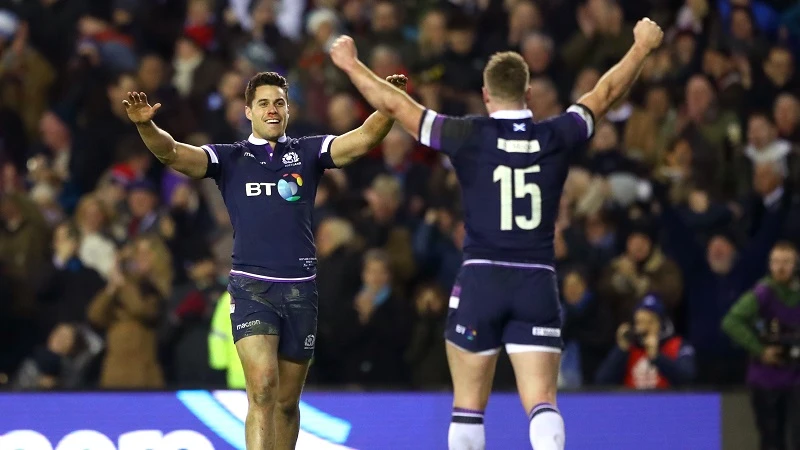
[
  {"x": 615, "y": 83},
  {"x": 384, "y": 97},
  {"x": 186, "y": 159},
  {"x": 356, "y": 143}
]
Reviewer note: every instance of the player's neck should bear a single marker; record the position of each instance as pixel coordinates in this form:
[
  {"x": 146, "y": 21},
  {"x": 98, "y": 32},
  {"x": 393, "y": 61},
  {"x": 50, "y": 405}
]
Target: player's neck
[
  {"x": 497, "y": 107},
  {"x": 258, "y": 140}
]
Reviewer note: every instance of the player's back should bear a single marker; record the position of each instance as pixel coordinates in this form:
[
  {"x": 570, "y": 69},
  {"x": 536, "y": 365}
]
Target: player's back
[{"x": 512, "y": 172}]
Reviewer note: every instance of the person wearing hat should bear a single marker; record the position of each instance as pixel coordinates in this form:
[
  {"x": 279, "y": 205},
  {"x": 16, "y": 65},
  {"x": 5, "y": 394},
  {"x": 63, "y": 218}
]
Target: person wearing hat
[{"x": 648, "y": 355}]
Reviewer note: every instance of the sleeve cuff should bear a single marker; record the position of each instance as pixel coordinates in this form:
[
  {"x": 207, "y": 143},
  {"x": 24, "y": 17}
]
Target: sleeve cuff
[
  {"x": 584, "y": 113},
  {"x": 212, "y": 154}
]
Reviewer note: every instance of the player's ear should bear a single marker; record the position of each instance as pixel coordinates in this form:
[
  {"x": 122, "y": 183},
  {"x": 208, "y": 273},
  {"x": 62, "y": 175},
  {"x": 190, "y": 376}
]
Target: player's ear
[
  {"x": 248, "y": 113},
  {"x": 485, "y": 95},
  {"x": 528, "y": 94}
]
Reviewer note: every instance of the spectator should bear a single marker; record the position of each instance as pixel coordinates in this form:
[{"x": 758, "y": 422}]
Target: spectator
[
  {"x": 425, "y": 355},
  {"x": 648, "y": 355},
  {"x": 765, "y": 322},
  {"x": 641, "y": 269},
  {"x": 128, "y": 309},
  {"x": 587, "y": 331},
  {"x": 377, "y": 328},
  {"x": 714, "y": 276}
]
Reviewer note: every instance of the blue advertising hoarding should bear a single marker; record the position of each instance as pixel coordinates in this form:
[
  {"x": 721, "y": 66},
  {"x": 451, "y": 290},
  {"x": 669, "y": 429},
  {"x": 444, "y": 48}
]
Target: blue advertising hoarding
[{"x": 203, "y": 420}]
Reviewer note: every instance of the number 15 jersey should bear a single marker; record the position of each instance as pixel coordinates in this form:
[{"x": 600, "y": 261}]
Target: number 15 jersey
[{"x": 512, "y": 172}]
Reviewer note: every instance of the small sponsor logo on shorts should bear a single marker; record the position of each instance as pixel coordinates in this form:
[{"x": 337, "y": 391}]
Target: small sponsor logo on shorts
[
  {"x": 242, "y": 326},
  {"x": 467, "y": 331},
  {"x": 546, "y": 332},
  {"x": 309, "y": 342}
]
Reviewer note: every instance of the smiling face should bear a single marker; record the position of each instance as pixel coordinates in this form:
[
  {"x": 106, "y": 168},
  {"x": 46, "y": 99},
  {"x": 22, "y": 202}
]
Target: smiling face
[{"x": 269, "y": 112}]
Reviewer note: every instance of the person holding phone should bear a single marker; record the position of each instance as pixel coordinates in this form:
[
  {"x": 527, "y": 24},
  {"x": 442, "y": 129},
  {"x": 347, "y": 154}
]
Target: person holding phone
[{"x": 648, "y": 354}]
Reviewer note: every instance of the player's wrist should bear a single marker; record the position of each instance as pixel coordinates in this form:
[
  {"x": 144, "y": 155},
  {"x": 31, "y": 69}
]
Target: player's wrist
[{"x": 640, "y": 50}]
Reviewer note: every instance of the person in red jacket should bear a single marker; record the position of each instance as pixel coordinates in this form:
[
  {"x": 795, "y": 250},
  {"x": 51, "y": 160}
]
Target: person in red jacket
[{"x": 648, "y": 354}]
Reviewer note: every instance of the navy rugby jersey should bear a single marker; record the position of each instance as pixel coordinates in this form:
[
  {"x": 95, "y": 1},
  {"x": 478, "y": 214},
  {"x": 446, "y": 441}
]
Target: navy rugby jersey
[
  {"x": 511, "y": 171},
  {"x": 269, "y": 194}
]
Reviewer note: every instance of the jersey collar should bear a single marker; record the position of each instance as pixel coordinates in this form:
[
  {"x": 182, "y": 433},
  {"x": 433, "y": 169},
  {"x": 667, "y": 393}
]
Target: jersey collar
[
  {"x": 257, "y": 141},
  {"x": 512, "y": 114}
]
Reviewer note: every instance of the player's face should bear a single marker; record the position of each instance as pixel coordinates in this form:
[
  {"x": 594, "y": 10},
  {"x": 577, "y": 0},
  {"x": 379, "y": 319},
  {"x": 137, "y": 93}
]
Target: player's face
[
  {"x": 269, "y": 112},
  {"x": 781, "y": 264}
]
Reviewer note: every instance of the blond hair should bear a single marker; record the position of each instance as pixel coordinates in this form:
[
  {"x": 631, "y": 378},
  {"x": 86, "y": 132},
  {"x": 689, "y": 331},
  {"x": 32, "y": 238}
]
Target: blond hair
[{"x": 506, "y": 76}]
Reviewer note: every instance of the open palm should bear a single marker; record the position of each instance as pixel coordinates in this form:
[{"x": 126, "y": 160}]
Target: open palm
[{"x": 138, "y": 109}]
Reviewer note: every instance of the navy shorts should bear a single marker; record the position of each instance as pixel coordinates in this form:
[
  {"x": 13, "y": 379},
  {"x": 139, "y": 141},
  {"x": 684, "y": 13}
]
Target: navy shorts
[
  {"x": 285, "y": 309},
  {"x": 496, "y": 303}
]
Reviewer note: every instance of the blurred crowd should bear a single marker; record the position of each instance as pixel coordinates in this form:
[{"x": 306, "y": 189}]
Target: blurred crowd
[{"x": 111, "y": 266}]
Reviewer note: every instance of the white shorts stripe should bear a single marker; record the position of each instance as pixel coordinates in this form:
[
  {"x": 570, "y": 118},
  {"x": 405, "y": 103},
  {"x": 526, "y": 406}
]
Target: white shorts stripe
[
  {"x": 454, "y": 302},
  {"x": 211, "y": 153},
  {"x": 520, "y": 348},
  {"x": 266, "y": 278},
  {"x": 489, "y": 262},
  {"x": 427, "y": 126},
  {"x": 491, "y": 351}
]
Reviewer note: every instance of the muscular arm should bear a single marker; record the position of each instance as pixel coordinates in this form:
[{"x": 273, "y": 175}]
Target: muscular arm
[
  {"x": 187, "y": 159},
  {"x": 615, "y": 83},
  {"x": 356, "y": 143},
  {"x": 387, "y": 99}
]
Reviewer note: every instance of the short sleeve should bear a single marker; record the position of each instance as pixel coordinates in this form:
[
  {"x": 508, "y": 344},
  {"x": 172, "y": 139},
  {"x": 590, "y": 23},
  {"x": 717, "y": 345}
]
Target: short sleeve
[
  {"x": 319, "y": 147},
  {"x": 217, "y": 155},
  {"x": 445, "y": 133},
  {"x": 574, "y": 127}
]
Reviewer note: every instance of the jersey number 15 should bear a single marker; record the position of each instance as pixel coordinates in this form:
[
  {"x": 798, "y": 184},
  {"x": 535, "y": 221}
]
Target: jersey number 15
[{"x": 519, "y": 188}]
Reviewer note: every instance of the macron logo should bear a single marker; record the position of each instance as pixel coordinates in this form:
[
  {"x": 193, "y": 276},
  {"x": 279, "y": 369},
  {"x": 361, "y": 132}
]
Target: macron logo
[
  {"x": 249, "y": 155},
  {"x": 242, "y": 326}
]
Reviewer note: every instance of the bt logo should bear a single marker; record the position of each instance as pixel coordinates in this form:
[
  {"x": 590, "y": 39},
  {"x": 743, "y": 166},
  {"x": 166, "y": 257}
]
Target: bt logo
[
  {"x": 288, "y": 188},
  {"x": 289, "y": 185}
]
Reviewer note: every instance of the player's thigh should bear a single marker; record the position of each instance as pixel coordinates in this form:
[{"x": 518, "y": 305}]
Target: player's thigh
[
  {"x": 473, "y": 332},
  {"x": 472, "y": 374},
  {"x": 533, "y": 335},
  {"x": 256, "y": 326},
  {"x": 299, "y": 321}
]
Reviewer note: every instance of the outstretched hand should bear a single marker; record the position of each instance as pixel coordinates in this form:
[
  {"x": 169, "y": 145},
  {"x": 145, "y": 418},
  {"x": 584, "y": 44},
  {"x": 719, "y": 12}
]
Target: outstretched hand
[
  {"x": 648, "y": 34},
  {"x": 138, "y": 109},
  {"x": 344, "y": 53}
]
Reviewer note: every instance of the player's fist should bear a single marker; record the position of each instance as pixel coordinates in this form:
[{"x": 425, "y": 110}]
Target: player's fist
[
  {"x": 138, "y": 109},
  {"x": 648, "y": 34},
  {"x": 343, "y": 52},
  {"x": 398, "y": 81}
]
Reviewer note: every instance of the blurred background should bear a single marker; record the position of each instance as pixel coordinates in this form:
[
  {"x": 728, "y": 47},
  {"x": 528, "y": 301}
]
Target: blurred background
[{"x": 682, "y": 193}]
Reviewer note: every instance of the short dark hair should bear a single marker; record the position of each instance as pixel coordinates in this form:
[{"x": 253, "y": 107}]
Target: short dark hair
[
  {"x": 785, "y": 245},
  {"x": 506, "y": 76},
  {"x": 264, "y": 79}
]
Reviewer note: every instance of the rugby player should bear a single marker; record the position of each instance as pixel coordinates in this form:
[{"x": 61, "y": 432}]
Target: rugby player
[
  {"x": 268, "y": 182},
  {"x": 511, "y": 170}
]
